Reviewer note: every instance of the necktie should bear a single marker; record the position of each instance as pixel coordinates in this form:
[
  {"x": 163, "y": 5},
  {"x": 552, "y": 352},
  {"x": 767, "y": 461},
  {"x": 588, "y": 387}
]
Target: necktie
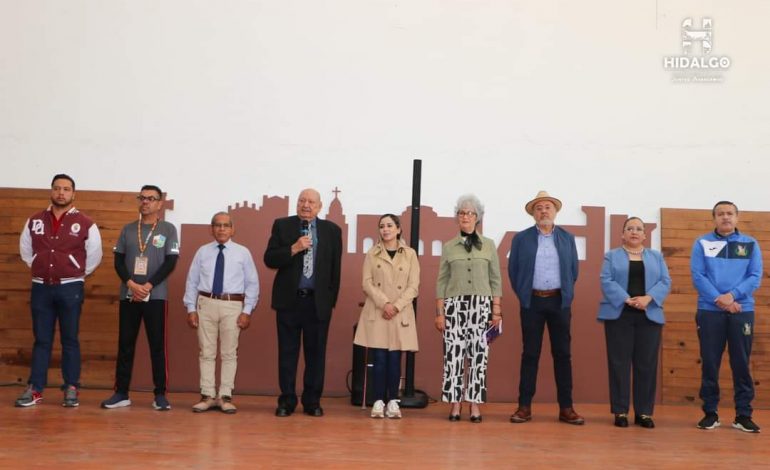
[
  {"x": 307, "y": 261},
  {"x": 219, "y": 272}
]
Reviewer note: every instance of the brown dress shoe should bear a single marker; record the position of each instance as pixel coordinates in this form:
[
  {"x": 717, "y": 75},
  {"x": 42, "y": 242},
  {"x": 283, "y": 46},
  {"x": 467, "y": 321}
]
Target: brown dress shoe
[
  {"x": 522, "y": 415},
  {"x": 205, "y": 404},
  {"x": 226, "y": 405},
  {"x": 569, "y": 415}
]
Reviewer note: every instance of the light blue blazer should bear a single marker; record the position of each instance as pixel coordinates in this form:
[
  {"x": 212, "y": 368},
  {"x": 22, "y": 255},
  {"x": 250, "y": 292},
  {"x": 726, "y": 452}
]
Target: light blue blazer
[{"x": 614, "y": 279}]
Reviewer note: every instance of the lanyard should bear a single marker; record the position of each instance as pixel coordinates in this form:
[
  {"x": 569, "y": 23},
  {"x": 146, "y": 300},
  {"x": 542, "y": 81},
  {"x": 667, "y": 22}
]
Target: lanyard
[{"x": 143, "y": 245}]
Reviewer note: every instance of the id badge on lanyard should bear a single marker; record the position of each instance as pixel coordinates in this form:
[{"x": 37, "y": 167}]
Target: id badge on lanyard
[
  {"x": 141, "y": 262},
  {"x": 140, "y": 265}
]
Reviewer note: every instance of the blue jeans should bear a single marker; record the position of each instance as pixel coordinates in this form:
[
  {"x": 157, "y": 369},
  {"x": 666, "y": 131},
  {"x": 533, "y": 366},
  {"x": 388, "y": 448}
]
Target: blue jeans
[
  {"x": 386, "y": 376},
  {"x": 50, "y": 303},
  {"x": 737, "y": 330}
]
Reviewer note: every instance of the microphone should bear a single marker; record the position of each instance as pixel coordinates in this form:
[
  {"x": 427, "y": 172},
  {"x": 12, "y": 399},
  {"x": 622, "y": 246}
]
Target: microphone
[{"x": 305, "y": 230}]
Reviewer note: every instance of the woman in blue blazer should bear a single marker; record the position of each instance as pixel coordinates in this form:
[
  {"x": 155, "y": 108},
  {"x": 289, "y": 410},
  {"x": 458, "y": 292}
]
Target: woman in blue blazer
[{"x": 635, "y": 282}]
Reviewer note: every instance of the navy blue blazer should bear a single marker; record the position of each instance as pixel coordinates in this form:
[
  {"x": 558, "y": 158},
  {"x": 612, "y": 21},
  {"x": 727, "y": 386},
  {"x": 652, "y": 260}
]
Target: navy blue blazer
[
  {"x": 521, "y": 264},
  {"x": 614, "y": 277}
]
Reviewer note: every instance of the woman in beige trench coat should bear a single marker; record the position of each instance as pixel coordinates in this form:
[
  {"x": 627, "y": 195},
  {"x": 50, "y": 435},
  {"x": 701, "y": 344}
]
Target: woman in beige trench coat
[{"x": 391, "y": 277}]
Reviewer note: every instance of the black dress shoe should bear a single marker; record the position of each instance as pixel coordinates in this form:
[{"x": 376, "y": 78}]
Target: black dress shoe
[
  {"x": 475, "y": 419},
  {"x": 454, "y": 418},
  {"x": 621, "y": 420},
  {"x": 644, "y": 421},
  {"x": 316, "y": 412},
  {"x": 283, "y": 412}
]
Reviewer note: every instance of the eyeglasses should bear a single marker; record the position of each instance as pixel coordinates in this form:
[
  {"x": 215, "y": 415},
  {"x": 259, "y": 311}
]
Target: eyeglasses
[
  {"x": 470, "y": 214},
  {"x": 147, "y": 198},
  {"x": 221, "y": 225}
]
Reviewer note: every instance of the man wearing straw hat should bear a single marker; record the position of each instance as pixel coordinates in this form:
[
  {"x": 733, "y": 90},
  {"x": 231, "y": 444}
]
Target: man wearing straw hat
[{"x": 543, "y": 268}]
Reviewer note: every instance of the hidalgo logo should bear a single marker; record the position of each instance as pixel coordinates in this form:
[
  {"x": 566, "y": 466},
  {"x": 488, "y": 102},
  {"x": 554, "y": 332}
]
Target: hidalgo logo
[
  {"x": 704, "y": 36},
  {"x": 697, "y": 58}
]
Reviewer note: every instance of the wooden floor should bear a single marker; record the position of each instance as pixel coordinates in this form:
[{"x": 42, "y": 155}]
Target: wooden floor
[{"x": 49, "y": 436}]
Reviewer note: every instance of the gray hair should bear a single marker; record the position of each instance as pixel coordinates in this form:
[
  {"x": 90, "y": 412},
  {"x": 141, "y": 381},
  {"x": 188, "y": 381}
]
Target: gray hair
[
  {"x": 473, "y": 201},
  {"x": 229, "y": 217}
]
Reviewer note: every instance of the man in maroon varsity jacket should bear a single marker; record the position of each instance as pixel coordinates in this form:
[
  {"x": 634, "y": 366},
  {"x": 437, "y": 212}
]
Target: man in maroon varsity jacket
[{"x": 61, "y": 246}]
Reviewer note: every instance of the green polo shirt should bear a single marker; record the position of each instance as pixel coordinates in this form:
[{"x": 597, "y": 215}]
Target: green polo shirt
[{"x": 463, "y": 273}]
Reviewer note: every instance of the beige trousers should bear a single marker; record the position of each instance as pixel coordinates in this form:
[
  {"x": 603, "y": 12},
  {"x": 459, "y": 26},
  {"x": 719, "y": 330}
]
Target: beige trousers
[{"x": 218, "y": 320}]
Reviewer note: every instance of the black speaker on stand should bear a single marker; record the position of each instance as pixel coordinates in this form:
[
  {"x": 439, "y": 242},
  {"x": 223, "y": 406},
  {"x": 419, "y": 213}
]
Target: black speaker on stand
[{"x": 411, "y": 398}]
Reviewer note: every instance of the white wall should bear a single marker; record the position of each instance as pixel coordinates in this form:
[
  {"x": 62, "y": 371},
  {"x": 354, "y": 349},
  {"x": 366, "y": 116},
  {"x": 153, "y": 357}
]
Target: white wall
[{"x": 221, "y": 101}]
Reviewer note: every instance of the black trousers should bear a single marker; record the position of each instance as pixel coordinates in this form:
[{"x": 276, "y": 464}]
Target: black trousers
[
  {"x": 633, "y": 342},
  {"x": 294, "y": 326},
  {"x": 131, "y": 315},
  {"x": 541, "y": 312}
]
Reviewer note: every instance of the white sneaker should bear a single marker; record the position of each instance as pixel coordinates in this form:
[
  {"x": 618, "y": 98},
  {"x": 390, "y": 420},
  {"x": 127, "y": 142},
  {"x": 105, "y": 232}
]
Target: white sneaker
[
  {"x": 378, "y": 409},
  {"x": 393, "y": 410}
]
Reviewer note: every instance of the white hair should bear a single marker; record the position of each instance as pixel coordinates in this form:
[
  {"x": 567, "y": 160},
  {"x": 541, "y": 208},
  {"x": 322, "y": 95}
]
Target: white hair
[{"x": 471, "y": 200}]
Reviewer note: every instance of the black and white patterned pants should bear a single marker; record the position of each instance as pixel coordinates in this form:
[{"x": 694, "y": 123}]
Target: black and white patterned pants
[{"x": 466, "y": 319}]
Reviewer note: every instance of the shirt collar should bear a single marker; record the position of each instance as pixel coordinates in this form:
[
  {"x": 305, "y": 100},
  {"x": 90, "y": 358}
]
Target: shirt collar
[
  {"x": 382, "y": 252},
  {"x": 540, "y": 232}
]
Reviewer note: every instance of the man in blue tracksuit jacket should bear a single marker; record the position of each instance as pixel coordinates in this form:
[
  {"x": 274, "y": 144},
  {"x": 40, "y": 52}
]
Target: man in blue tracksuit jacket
[{"x": 726, "y": 268}]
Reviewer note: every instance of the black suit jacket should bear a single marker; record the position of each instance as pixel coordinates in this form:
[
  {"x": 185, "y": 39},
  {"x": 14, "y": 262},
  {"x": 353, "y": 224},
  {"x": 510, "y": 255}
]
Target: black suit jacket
[{"x": 328, "y": 262}]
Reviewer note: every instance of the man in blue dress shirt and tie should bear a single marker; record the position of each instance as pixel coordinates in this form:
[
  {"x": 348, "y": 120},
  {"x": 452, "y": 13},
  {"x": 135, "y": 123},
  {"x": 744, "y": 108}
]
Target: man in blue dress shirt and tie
[{"x": 221, "y": 292}]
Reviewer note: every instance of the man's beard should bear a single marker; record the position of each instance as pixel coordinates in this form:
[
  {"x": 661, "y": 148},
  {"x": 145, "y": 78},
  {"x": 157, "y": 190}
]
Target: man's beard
[{"x": 60, "y": 204}]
